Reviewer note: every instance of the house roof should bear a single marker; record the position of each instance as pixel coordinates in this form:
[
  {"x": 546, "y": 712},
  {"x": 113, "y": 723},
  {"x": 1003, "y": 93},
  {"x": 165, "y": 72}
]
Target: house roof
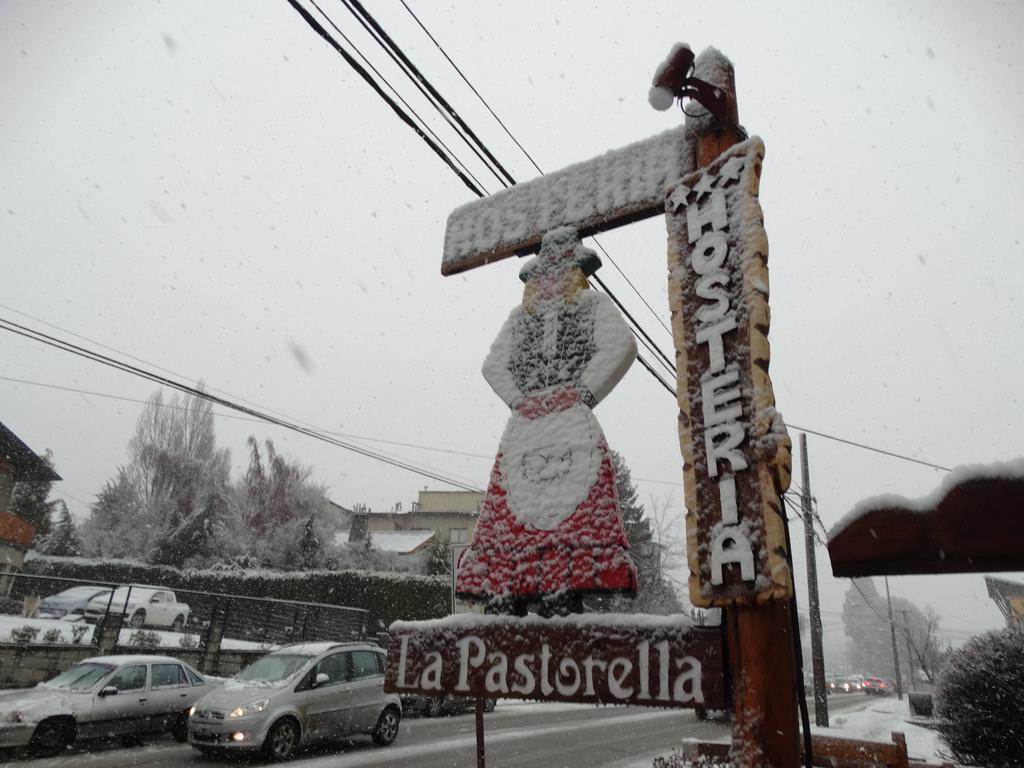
[
  {"x": 400, "y": 542},
  {"x": 969, "y": 524},
  {"x": 412, "y": 514},
  {"x": 26, "y": 465}
]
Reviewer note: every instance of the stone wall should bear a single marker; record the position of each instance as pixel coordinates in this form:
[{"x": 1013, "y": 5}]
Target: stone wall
[{"x": 23, "y": 665}]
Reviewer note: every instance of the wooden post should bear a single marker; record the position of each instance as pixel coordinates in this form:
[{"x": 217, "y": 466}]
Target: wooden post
[
  {"x": 759, "y": 638},
  {"x": 480, "y": 733}
]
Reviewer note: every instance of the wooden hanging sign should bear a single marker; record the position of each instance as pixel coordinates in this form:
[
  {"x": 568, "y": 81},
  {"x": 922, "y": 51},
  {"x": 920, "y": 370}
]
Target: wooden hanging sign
[
  {"x": 586, "y": 658},
  {"x": 619, "y": 187},
  {"x": 736, "y": 452}
]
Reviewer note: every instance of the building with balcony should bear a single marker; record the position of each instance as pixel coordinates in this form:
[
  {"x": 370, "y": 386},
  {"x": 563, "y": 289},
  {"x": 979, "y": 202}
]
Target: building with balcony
[
  {"x": 447, "y": 516},
  {"x": 18, "y": 464}
]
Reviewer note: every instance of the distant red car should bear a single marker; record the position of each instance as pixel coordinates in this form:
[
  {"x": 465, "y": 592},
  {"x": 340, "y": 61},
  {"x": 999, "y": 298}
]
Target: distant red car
[{"x": 876, "y": 686}]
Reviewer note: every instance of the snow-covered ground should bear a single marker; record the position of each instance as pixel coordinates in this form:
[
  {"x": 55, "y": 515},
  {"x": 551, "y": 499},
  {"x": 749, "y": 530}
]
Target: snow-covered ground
[
  {"x": 876, "y": 721},
  {"x": 522, "y": 707},
  {"x": 879, "y": 720},
  {"x": 168, "y": 639}
]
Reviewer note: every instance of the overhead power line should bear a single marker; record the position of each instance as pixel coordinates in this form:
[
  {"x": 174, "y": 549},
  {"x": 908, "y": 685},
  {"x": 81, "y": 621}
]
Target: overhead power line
[
  {"x": 319, "y": 29},
  {"x": 153, "y": 365},
  {"x": 88, "y": 354},
  {"x": 172, "y": 406},
  {"x": 473, "y": 89},
  {"x": 423, "y": 123},
  {"x": 642, "y": 333},
  {"x": 444, "y": 107},
  {"x": 527, "y": 154},
  {"x": 465, "y": 132},
  {"x": 871, "y": 448},
  {"x": 447, "y": 111}
]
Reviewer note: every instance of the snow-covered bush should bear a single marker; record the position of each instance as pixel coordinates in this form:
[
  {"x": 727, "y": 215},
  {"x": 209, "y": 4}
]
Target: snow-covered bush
[
  {"x": 25, "y": 634},
  {"x": 979, "y": 700},
  {"x": 188, "y": 641},
  {"x": 78, "y": 632},
  {"x": 53, "y": 636},
  {"x": 9, "y": 606},
  {"x": 678, "y": 760},
  {"x": 144, "y": 638}
]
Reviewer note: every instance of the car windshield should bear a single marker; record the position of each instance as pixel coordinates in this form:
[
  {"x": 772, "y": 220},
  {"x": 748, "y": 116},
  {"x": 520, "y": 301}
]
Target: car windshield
[
  {"x": 274, "y": 668},
  {"x": 80, "y": 677}
]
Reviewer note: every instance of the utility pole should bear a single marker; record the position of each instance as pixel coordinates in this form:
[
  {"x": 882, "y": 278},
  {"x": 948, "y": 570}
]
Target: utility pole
[
  {"x": 814, "y": 604},
  {"x": 910, "y": 653},
  {"x": 895, "y": 650}
]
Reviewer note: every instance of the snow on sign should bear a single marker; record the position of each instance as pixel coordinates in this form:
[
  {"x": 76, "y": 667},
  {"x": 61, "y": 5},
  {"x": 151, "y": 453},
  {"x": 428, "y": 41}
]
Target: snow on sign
[
  {"x": 736, "y": 451},
  {"x": 659, "y": 661},
  {"x": 621, "y": 186}
]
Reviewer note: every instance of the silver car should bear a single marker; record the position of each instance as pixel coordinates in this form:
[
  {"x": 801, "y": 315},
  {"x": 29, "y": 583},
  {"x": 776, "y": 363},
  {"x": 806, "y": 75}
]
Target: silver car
[
  {"x": 101, "y": 697},
  {"x": 296, "y": 696},
  {"x": 71, "y": 602}
]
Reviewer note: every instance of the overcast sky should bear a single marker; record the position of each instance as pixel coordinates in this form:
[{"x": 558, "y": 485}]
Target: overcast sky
[{"x": 208, "y": 187}]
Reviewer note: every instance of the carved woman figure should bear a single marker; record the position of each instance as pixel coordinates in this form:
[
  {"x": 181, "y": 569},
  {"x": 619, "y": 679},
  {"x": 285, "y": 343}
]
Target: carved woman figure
[{"x": 550, "y": 528}]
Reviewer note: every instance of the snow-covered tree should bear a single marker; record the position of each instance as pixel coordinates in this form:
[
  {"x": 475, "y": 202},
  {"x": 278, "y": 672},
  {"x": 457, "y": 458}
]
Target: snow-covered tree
[
  {"x": 63, "y": 539},
  {"x": 161, "y": 498},
  {"x": 919, "y": 632},
  {"x": 279, "y": 495},
  {"x": 650, "y": 548},
  {"x": 311, "y": 548},
  {"x": 869, "y": 649},
  {"x": 29, "y": 501},
  {"x": 278, "y": 490},
  {"x": 200, "y": 537},
  {"x": 438, "y": 559},
  {"x": 978, "y": 702},
  {"x": 114, "y": 527},
  {"x": 866, "y": 619},
  {"x": 174, "y": 502},
  {"x": 638, "y": 528}
]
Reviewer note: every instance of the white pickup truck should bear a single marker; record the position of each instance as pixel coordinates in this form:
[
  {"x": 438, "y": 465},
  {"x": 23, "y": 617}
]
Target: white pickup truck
[{"x": 142, "y": 607}]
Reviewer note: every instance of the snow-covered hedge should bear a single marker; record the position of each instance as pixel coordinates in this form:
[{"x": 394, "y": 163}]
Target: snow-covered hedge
[
  {"x": 980, "y": 700},
  {"x": 387, "y": 596}
]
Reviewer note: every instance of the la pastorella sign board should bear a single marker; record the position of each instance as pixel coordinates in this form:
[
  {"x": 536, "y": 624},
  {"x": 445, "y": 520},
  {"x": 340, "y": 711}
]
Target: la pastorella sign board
[{"x": 656, "y": 661}]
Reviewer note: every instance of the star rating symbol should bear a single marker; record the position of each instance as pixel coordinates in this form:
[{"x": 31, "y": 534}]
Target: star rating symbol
[
  {"x": 678, "y": 198},
  {"x": 704, "y": 186},
  {"x": 732, "y": 168}
]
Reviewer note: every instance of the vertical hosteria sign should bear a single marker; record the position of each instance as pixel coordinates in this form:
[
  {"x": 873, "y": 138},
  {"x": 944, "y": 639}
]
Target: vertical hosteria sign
[{"x": 735, "y": 448}]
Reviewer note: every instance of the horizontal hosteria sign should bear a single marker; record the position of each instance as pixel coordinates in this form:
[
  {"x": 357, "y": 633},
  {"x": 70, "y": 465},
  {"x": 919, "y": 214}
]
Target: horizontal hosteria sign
[
  {"x": 588, "y": 658},
  {"x": 736, "y": 453},
  {"x": 619, "y": 187}
]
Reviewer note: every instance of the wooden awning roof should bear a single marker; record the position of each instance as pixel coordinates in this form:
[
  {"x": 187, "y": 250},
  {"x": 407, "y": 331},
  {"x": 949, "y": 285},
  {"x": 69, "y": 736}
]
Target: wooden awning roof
[
  {"x": 24, "y": 464},
  {"x": 971, "y": 524}
]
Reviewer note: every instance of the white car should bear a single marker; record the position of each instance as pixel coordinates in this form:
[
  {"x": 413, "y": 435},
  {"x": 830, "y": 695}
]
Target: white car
[
  {"x": 142, "y": 607},
  {"x": 101, "y": 697}
]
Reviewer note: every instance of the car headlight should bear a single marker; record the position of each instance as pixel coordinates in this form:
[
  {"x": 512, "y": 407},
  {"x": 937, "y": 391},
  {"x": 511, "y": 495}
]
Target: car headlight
[
  {"x": 249, "y": 709},
  {"x": 191, "y": 711}
]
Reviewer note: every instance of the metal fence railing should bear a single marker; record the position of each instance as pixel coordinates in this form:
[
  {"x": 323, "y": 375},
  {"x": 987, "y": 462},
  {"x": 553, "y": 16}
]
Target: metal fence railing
[{"x": 49, "y": 609}]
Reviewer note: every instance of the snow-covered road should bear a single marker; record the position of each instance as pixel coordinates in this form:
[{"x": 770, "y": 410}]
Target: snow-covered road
[{"x": 523, "y": 735}]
